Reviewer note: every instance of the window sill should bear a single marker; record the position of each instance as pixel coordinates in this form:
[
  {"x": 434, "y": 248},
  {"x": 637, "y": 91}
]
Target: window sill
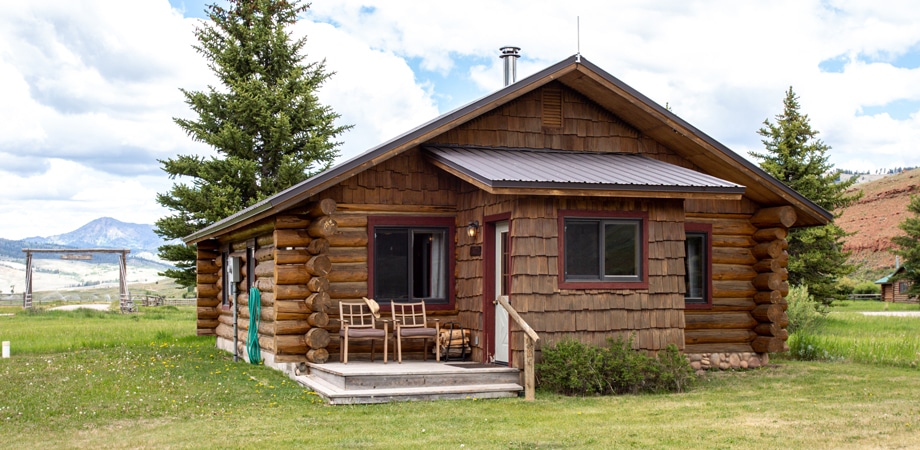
[{"x": 581, "y": 285}]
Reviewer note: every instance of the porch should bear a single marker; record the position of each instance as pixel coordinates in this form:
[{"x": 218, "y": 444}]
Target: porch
[{"x": 361, "y": 382}]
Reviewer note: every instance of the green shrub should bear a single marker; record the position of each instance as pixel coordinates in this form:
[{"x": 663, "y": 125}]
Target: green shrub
[
  {"x": 574, "y": 368},
  {"x": 867, "y": 287},
  {"x": 805, "y": 314},
  {"x": 809, "y": 346},
  {"x": 845, "y": 286}
]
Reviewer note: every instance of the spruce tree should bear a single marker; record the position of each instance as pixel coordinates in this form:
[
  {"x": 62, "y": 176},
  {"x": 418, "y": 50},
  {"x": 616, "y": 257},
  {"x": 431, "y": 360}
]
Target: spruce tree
[
  {"x": 909, "y": 247},
  {"x": 263, "y": 121},
  {"x": 796, "y": 157}
]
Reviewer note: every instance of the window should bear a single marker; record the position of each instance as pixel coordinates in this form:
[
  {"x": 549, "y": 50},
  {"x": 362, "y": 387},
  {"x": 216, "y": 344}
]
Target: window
[
  {"x": 698, "y": 266},
  {"x": 603, "y": 250},
  {"x": 902, "y": 287},
  {"x": 411, "y": 260}
]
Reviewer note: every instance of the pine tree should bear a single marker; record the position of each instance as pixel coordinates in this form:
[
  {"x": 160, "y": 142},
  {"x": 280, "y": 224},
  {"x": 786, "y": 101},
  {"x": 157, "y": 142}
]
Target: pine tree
[
  {"x": 909, "y": 247},
  {"x": 264, "y": 122},
  {"x": 796, "y": 157}
]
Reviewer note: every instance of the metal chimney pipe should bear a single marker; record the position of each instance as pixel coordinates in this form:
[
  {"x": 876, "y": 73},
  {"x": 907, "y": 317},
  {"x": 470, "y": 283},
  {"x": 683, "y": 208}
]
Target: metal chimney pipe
[{"x": 510, "y": 55}]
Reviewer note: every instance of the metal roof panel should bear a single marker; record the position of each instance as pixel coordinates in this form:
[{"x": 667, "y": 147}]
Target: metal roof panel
[{"x": 560, "y": 169}]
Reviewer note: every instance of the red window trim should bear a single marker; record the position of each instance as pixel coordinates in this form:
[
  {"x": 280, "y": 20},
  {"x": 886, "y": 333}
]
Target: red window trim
[
  {"x": 415, "y": 221},
  {"x": 706, "y": 228},
  {"x": 560, "y": 259}
]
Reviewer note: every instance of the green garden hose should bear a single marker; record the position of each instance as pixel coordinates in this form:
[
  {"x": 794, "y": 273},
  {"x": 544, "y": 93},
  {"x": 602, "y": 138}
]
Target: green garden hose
[{"x": 255, "y": 310}]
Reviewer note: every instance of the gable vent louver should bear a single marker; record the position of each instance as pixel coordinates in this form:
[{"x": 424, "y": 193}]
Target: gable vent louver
[{"x": 552, "y": 108}]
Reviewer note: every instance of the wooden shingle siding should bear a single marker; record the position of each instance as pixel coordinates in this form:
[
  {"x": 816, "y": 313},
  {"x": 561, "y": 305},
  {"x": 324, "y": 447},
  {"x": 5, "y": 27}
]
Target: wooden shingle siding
[
  {"x": 585, "y": 127},
  {"x": 652, "y": 317}
]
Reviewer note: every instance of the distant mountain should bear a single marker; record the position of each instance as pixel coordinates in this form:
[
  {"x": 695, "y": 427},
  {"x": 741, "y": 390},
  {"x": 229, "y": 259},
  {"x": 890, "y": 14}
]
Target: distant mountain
[{"x": 104, "y": 232}]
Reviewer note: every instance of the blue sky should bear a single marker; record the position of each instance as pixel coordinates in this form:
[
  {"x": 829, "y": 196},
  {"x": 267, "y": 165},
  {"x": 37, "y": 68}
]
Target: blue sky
[{"x": 90, "y": 91}]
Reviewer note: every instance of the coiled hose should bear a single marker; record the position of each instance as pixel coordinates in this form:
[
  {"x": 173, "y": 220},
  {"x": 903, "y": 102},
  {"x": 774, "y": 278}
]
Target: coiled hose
[{"x": 255, "y": 311}]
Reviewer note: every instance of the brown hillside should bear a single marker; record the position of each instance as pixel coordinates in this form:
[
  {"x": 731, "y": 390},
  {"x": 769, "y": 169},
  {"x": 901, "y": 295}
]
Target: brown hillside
[{"x": 875, "y": 219}]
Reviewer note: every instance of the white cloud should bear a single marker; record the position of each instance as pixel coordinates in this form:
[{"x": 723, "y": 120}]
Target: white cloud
[
  {"x": 89, "y": 90},
  {"x": 68, "y": 195},
  {"x": 723, "y": 66},
  {"x": 374, "y": 90}
]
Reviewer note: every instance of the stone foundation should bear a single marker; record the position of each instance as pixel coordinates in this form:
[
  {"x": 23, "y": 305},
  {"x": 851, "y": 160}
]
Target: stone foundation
[{"x": 701, "y": 362}]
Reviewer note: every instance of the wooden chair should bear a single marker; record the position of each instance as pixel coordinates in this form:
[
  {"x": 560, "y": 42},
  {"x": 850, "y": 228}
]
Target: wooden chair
[
  {"x": 359, "y": 324},
  {"x": 411, "y": 322}
]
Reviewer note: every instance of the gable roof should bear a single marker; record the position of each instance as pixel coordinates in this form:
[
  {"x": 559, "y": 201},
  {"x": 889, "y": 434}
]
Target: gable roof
[
  {"x": 890, "y": 278},
  {"x": 562, "y": 172},
  {"x": 580, "y": 75}
]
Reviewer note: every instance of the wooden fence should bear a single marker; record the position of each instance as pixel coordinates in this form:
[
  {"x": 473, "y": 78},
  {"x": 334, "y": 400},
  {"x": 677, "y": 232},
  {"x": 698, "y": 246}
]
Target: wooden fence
[
  {"x": 864, "y": 297},
  {"x": 143, "y": 300}
]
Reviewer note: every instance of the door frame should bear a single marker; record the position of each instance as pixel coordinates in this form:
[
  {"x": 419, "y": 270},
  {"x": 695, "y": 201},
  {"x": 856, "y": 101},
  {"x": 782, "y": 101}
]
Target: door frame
[{"x": 488, "y": 283}]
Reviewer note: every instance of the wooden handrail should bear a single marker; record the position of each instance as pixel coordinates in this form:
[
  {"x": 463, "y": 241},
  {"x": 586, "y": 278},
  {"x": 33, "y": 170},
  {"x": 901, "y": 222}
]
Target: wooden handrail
[{"x": 529, "y": 345}]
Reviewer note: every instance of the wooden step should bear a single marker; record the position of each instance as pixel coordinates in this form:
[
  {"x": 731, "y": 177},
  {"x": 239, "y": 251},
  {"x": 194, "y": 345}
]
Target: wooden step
[
  {"x": 338, "y": 396},
  {"x": 364, "y": 382}
]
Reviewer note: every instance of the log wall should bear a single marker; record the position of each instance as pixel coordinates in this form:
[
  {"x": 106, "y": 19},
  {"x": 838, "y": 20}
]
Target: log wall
[
  {"x": 404, "y": 185},
  {"x": 209, "y": 281},
  {"x": 771, "y": 280},
  {"x": 292, "y": 265}
]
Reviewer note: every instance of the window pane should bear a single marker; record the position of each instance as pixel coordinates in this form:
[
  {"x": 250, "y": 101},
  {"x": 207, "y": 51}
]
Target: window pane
[
  {"x": 391, "y": 264},
  {"x": 429, "y": 264},
  {"x": 620, "y": 249},
  {"x": 581, "y": 249},
  {"x": 695, "y": 261}
]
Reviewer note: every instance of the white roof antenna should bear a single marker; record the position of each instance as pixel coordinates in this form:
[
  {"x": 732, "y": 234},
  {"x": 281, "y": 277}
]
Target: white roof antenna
[{"x": 578, "y": 39}]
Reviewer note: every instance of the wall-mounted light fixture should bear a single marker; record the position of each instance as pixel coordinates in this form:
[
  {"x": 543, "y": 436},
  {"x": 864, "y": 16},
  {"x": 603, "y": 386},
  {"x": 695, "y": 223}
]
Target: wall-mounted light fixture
[{"x": 472, "y": 229}]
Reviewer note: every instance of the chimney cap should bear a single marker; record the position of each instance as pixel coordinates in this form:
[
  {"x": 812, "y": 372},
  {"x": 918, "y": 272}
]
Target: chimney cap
[{"x": 510, "y": 50}]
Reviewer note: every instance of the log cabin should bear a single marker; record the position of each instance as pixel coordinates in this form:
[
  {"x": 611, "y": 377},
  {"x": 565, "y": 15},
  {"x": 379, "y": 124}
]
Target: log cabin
[
  {"x": 595, "y": 212},
  {"x": 894, "y": 288}
]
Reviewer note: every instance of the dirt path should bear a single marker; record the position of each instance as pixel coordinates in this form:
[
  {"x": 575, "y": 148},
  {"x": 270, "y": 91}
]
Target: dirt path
[
  {"x": 97, "y": 306},
  {"x": 894, "y": 313}
]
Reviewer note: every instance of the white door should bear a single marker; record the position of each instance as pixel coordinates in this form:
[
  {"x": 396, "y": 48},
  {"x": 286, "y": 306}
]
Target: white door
[{"x": 502, "y": 260}]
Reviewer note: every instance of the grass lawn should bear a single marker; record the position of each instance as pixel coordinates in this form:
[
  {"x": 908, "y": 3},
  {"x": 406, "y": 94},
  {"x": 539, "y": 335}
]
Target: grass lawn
[
  {"x": 144, "y": 380},
  {"x": 848, "y": 335}
]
